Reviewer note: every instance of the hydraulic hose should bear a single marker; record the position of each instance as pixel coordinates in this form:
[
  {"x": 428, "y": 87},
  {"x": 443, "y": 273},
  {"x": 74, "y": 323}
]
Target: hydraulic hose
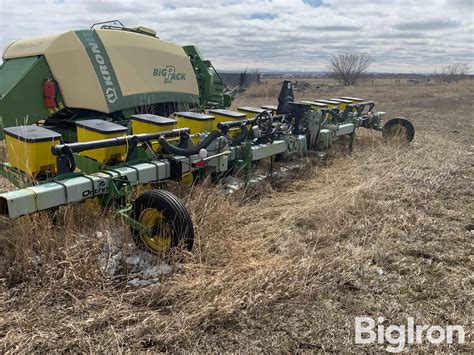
[
  {"x": 189, "y": 151},
  {"x": 204, "y": 144},
  {"x": 241, "y": 137}
]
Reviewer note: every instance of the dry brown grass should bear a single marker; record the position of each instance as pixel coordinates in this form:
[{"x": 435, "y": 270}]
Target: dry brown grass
[
  {"x": 287, "y": 270},
  {"x": 265, "y": 89}
]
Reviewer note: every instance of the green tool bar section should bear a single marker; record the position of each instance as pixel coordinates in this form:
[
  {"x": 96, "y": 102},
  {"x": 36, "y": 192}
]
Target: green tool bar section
[{"x": 56, "y": 193}]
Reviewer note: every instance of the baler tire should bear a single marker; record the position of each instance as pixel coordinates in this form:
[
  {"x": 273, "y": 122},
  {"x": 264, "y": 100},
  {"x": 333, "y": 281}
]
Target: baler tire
[{"x": 162, "y": 205}]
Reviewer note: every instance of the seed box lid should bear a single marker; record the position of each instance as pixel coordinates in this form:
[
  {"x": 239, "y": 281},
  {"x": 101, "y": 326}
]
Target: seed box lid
[
  {"x": 351, "y": 98},
  {"x": 154, "y": 119},
  {"x": 228, "y": 113},
  {"x": 251, "y": 109},
  {"x": 344, "y": 101},
  {"x": 328, "y": 102},
  {"x": 313, "y": 103},
  {"x": 195, "y": 116},
  {"x": 31, "y": 134},
  {"x": 270, "y": 107},
  {"x": 101, "y": 126}
]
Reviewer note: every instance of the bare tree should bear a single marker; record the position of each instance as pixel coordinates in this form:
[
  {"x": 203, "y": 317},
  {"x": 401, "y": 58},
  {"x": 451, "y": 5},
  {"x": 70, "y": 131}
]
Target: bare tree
[
  {"x": 453, "y": 72},
  {"x": 349, "y": 67}
]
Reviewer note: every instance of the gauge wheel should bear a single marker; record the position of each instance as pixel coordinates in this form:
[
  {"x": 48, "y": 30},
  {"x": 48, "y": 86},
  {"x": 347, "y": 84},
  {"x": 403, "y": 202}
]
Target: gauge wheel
[
  {"x": 169, "y": 225},
  {"x": 399, "y": 128}
]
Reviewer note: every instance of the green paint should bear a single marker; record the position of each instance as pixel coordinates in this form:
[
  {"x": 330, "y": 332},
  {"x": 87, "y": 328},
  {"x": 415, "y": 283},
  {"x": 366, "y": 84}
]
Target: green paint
[
  {"x": 12, "y": 71},
  {"x": 117, "y": 194},
  {"x": 212, "y": 91},
  {"x": 21, "y": 82},
  {"x": 125, "y": 214}
]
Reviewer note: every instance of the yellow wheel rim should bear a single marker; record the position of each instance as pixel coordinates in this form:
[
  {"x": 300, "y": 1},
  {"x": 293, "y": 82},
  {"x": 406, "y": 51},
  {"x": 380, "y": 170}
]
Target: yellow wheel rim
[
  {"x": 187, "y": 178},
  {"x": 160, "y": 241}
]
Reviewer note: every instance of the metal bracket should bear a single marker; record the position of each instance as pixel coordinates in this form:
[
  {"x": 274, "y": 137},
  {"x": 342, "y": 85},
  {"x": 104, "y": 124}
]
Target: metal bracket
[{"x": 116, "y": 195}]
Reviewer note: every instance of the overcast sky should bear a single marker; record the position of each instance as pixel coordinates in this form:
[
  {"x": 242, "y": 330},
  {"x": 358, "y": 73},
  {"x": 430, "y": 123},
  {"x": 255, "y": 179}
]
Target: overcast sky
[{"x": 400, "y": 35}]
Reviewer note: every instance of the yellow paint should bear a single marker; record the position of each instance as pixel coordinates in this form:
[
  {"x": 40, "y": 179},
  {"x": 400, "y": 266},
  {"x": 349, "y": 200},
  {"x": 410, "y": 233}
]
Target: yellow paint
[
  {"x": 33, "y": 158},
  {"x": 196, "y": 122},
  {"x": 228, "y": 116},
  {"x": 109, "y": 155},
  {"x": 330, "y": 104},
  {"x": 187, "y": 178},
  {"x": 140, "y": 126},
  {"x": 160, "y": 242}
]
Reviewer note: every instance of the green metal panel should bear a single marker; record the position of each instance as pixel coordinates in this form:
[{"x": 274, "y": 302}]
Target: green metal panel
[
  {"x": 52, "y": 194},
  {"x": 12, "y": 71},
  {"x": 22, "y": 91},
  {"x": 211, "y": 88}
]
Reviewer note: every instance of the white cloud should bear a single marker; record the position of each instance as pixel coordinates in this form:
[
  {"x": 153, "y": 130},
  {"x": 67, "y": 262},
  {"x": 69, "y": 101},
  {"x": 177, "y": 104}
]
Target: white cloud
[{"x": 401, "y": 35}]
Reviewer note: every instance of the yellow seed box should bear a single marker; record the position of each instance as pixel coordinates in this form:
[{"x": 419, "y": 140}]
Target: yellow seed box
[
  {"x": 329, "y": 103},
  {"x": 355, "y": 100},
  {"x": 94, "y": 130},
  {"x": 196, "y": 122},
  {"x": 29, "y": 149},
  {"x": 147, "y": 123},
  {"x": 314, "y": 105},
  {"x": 342, "y": 103},
  {"x": 250, "y": 112},
  {"x": 228, "y": 116}
]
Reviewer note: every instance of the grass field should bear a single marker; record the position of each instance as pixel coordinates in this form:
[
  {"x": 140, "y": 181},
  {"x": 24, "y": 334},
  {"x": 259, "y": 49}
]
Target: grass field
[{"x": 386, "y": 231}]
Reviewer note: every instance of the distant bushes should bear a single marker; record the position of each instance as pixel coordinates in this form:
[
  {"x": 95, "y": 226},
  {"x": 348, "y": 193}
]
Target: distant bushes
[{"x": 453, "y": 72}]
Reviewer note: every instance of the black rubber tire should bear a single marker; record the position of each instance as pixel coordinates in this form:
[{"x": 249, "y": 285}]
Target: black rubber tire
[
  {"x": 175, "y": 213},
  {"x": 403, "y": 122}
]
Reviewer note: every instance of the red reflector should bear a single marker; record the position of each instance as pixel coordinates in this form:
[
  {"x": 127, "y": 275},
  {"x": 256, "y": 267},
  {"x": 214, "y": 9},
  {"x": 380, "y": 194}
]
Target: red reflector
[
  {"x": 200, "y": 164},
  {"x": 49, "y": 93}
]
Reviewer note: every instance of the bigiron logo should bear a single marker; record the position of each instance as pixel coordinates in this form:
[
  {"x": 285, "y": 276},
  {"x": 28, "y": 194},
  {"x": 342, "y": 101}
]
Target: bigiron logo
[
  {"x": 99, "y": 61},
  {"x": 169, "y": 74}
]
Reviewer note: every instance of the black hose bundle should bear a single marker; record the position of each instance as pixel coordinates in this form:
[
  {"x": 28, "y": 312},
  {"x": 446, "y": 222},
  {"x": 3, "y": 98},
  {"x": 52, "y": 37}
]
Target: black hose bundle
[
  {"x": 241, "y": 137},
  {"x": 204, "y": 144},
  {"x": 189, "y": 151}
]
